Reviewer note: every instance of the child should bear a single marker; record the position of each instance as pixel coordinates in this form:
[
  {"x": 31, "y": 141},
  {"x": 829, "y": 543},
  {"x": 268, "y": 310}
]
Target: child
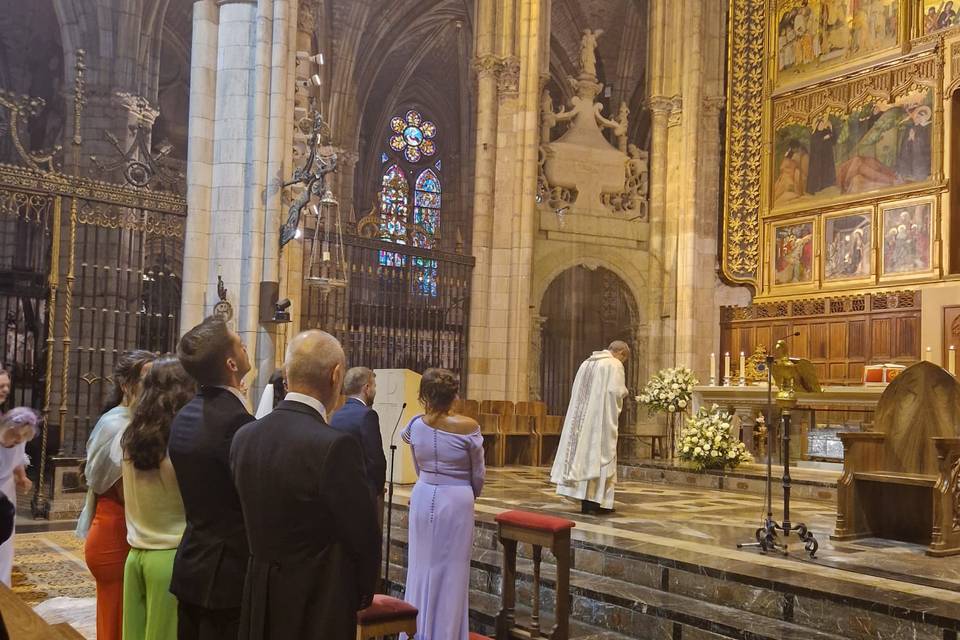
[{"x": 17, "y": 427}]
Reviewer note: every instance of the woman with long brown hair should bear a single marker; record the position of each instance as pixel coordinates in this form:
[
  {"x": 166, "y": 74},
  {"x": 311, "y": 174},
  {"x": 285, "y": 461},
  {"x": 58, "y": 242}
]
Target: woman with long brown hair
[
  {"x": 153, "y": 506},
  {"x": 101, "y": 521}
]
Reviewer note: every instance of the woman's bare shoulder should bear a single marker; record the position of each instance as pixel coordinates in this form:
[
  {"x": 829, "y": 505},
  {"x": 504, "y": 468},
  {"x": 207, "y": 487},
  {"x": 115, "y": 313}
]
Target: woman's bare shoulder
[{"x": 458, "y": 424}]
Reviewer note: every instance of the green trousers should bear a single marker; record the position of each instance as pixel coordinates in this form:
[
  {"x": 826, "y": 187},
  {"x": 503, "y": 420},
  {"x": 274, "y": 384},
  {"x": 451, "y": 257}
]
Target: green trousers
[{"x": 149, "y": 609}]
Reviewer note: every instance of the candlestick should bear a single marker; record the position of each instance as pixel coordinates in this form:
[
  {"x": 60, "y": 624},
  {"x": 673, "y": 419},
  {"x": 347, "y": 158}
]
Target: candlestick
[
  {"x": 726, "y": 368},
  {"x": 713, "y": 369},
  {"x": 928, "y": 355},
  {"x": 743, "y": 369},
  {"x": 952, "y": 360}
]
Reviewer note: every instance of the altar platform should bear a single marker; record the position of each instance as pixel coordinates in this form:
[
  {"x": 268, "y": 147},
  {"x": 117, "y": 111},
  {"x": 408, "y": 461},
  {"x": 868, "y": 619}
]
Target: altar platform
[{"x": 666, "y": 566}]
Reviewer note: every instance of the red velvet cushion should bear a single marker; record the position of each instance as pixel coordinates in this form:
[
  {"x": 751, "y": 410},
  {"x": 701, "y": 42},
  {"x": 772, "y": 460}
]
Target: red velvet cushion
[
  {"x": 477, "y": 636},
  {"x": 535, "y": 521},
  {"x": 385, "y": 608}
]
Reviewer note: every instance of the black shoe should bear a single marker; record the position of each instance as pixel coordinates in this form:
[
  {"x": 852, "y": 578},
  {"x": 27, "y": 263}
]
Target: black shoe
[{"x": 600, "y": 511}]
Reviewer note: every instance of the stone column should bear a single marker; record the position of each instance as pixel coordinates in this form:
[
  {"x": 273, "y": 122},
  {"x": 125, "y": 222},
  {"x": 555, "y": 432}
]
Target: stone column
[
  {"x": 242, "y": 161},
  {"x": 660, "y": 115},
  {"x": 486, "y": 65},
  {"x": 536, "y": 350},
  {"x": 203, "y": 92}
]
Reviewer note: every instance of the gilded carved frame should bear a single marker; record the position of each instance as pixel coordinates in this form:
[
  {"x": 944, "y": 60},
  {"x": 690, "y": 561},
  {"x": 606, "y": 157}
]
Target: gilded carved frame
[
  {"x": 841, "y": 281},
  {"x": 748, "y": 210}
]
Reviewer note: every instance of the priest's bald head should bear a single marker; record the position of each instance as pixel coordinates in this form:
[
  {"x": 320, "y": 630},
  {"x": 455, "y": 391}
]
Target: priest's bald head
[
  {"x": 620, "y": 350},
  {"x": 315, "y": 365}
]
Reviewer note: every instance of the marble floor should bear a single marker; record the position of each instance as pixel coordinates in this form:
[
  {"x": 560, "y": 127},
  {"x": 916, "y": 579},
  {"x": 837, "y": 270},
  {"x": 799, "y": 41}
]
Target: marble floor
[
  {"x": 712, "y": 522},
  {"x": 692, "y": 524}
]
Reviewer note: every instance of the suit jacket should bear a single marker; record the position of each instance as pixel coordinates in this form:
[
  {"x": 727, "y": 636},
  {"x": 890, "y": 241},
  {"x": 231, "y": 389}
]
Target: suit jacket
[
  {"x": 314, "y": 542},
  {"x": 211, "y": 561},
  {"x": 363, "y": 423}
]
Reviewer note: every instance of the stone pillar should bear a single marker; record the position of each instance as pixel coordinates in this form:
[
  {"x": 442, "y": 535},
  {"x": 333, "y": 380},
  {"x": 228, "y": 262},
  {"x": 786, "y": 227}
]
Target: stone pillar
[
  {"x": 486, "y": 65},
  {"x": 660, "y": 114},
  {"x": 203, "y": 100},
  {"x": 239, "y": 214},
  {"x": 536, "y": 351}
]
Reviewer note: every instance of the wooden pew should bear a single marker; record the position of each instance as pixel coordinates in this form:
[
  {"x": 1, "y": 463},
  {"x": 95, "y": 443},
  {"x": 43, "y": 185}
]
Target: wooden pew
[
  {"x": 22, "y": 623},
  {"x": 902, "y": 481}
]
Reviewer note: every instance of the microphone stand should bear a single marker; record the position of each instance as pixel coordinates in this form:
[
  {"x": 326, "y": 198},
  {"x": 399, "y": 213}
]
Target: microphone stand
[{"x": 393, "y": 452}]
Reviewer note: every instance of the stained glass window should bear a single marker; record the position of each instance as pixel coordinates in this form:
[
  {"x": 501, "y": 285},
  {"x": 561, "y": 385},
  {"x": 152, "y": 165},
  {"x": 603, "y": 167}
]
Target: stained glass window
[
  {"x": 426, "y": 210},
  {"x": 411, "y": 140},
  {"x": 394, "y": 205},
  {"x": 413, "y": 136},
  {"x": 425, "y": 275}
]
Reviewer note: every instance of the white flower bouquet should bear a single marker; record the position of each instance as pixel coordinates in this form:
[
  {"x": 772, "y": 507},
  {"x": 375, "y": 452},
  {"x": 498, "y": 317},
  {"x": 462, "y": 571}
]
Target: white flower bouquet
[
  {"x": 708, "y": 442},
  {"x": 669, "y": 390}
]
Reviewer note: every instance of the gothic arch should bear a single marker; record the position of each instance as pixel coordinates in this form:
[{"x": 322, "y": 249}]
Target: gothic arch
[
  {"x": 584, "y": 308},
  {"x": 629, "y": 266}
]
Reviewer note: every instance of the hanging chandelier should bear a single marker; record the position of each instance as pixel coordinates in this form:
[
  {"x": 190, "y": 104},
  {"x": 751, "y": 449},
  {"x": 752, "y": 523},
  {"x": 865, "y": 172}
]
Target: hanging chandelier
[{"x": 327, "y": 268}]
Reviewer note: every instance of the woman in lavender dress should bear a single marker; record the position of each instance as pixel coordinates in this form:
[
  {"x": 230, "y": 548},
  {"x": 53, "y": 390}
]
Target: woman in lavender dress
[{"x": 448, "y": 453}]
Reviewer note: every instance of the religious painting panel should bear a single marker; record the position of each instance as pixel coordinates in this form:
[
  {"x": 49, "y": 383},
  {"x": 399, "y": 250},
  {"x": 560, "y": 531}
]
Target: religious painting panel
[
  {"x": 792, "y": 253},
  {"x": 813, "y": 37},
  {"x": 874, "y": 133},
  {"x": 935, "y": 16},
  {"x": 848, "y": 246},
  {"x": 906, "y": 244}
]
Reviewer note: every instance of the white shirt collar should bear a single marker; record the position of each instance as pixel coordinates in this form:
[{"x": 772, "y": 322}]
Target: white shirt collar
[
  {"x": 360, "y": 400},
  {"x": 238, "y": 394},
  {"x": 310, "y": 401}
]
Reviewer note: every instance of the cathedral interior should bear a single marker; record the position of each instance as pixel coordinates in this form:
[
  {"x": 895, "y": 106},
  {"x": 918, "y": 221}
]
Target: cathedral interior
[{"x": 745, "y": 192}]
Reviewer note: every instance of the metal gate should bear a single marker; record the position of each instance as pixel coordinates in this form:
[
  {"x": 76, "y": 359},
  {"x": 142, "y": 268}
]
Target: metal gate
[
  {"x": 385, "y": 318},
  {"x": 89, "y": 268}
]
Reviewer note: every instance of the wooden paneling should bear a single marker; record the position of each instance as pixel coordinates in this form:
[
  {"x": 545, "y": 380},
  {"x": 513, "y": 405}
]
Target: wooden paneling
[
  {"x": 838, "y": 335},
  {"x": 951, "y": 330}
]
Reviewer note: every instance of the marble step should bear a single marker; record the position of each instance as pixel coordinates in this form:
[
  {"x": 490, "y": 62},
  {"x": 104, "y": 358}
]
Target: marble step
[
  {"x": 742, "y": 590},
  {"x": 484, "y": 608},
  {"x": 623, "y": 607}
]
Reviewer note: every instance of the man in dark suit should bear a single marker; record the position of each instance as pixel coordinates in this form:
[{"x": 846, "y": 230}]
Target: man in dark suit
[
  {"x": 358, "y": 418},
  {"x": 211, "y": 561},
  {"x": 314, "y": 546}
]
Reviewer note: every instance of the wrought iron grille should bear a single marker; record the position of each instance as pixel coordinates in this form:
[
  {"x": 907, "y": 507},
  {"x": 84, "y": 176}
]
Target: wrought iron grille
[{"x": 384, "y": 319}]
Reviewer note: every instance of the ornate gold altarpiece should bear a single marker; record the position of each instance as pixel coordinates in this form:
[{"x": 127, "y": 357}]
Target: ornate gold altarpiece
[{"x": 838, "y": 132}]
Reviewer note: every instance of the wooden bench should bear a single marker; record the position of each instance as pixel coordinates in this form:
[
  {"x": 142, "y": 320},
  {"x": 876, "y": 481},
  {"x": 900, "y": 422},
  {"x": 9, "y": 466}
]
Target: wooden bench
[
  {"x": 21, "y": 622},
  {"x": 902, "y": 481}
]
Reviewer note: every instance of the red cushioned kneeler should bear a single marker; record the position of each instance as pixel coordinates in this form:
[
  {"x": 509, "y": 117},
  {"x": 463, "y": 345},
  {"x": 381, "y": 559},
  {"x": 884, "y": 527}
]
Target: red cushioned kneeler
[{"x": 386, "y": 616}]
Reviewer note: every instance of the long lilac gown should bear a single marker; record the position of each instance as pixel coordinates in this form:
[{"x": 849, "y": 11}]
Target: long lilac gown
[{"x": 451, "y": 471}]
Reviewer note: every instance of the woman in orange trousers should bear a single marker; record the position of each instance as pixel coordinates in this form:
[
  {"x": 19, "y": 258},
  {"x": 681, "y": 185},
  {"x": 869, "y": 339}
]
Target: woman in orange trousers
[{"x": 102, "y": 520}]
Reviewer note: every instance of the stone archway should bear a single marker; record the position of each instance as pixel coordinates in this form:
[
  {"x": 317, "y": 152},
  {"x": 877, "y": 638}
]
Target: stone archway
[{"x": 584, "y": 309}]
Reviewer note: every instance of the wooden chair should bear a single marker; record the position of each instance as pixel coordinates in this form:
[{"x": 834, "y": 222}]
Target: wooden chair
[
  {"x": 549, "y": 440},
  {"x": 901, "y": 481},
  {"x": 537, "y": 530},
  {"x": 496, "y": 419},
  {"x": 654, "y": 434},
  {"x": 522, "y": 439},
  {"x": 386, "y": 616}
]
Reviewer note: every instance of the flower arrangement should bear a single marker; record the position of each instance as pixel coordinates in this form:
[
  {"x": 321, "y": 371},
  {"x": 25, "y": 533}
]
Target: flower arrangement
[
  {"x": 708, "y": 442},
  {"x": 669, "y": 390}
]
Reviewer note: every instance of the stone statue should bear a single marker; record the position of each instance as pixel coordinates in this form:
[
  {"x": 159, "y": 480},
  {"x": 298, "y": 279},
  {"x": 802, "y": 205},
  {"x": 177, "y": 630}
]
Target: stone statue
[{"x": 588, "y": 53}]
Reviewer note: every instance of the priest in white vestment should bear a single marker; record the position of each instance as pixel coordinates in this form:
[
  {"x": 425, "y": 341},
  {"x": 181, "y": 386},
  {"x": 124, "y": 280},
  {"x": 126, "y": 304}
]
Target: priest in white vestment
[{"x": 586, "y": 464}]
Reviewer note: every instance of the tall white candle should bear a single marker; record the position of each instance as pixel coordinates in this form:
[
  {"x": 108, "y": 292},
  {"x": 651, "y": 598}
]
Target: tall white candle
[
  {"x": 726, "y": 365},
  {"x": 743, "y": 365},
  {"x": 952, "y": 360},
  {"x": 928, "y": 355},
  {"x": 713, "y": 365}
]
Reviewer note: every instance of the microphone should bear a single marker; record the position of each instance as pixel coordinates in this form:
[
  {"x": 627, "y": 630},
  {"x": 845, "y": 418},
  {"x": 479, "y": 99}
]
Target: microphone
[{"x": 399, "y": 417}]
